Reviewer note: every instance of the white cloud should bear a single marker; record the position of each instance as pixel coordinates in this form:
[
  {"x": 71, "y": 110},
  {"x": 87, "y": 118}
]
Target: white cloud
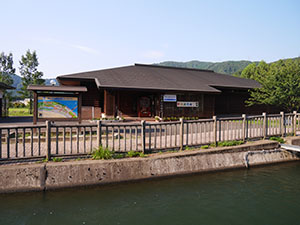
[
  {"x": 59, "y": 42},
  {"x": 85, "y": 49},
  {"x": 153, "y": 54}
]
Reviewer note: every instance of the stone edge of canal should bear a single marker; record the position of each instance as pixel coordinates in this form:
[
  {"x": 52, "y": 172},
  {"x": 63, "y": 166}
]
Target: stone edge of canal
[{"x": 56, "y": 175}]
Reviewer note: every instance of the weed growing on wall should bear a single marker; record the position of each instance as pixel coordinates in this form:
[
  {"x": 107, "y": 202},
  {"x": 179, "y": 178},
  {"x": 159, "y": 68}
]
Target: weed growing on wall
[
  {"x": 278, "y": 139},
  {"x": 102, "y": 153},
  {"x": 135, "y": 154},
  {"x": 57, "y": 159},
  {"x": 229, "y": 143}
]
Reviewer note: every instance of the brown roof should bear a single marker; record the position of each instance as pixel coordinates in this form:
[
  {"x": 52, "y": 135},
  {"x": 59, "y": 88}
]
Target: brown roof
[
  {"x": 5, "y": 86},
  {"x": 60, "y": 88},
  {"x": 156, "y": 77}
]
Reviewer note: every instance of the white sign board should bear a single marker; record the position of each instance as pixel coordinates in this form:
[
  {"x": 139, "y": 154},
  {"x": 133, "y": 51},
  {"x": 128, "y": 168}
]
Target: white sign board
[
  {"x": 187, "y": 104},
  {"x": 170, "y": 98}
]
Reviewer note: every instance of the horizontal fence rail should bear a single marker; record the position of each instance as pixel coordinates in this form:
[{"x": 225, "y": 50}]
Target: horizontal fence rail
[{"x": 52, "y": 140}]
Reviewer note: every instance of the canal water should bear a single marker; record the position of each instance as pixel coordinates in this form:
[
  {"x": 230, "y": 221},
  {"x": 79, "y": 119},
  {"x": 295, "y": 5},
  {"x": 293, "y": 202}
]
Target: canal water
[{"x": 265, "y": 195}]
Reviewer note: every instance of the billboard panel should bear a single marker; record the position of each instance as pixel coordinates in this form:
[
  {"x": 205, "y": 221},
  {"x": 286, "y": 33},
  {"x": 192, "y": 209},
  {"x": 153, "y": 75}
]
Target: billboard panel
[{"x": 57, "y": 107}]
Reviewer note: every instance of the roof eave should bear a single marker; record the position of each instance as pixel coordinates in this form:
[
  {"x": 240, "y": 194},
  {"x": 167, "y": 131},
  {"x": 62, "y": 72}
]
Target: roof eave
[{"x": 158, "y": 89}]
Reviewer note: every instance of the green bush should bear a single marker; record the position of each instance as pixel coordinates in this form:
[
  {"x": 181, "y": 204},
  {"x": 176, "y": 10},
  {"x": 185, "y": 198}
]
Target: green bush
[
  {"x": 279, "y": 139},
  {"x": 102, "y": 153}
]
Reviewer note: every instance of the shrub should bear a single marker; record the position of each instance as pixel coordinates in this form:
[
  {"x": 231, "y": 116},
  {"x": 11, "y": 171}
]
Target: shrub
[{"x": 102, "y": 153}]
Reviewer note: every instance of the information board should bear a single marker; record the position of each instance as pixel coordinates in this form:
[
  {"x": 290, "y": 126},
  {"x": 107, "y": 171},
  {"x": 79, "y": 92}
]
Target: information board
[{"x": 57, "y": 107}]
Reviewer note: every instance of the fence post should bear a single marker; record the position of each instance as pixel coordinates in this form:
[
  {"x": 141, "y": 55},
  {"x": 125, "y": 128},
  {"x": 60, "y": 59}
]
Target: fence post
[
  {"x": 143, "y": 135},
  {"x": 215, "y": 130},
  {"x": 282, "y": 124},
  {"x": 181, "y": 131},
  {"x": 295, "y": 123},
  {"x": 244, "y": 127},
  {"x": 99, "y": 133},
  {"x": 265, "y": 125},
  {"x": 48, "y": 140}
]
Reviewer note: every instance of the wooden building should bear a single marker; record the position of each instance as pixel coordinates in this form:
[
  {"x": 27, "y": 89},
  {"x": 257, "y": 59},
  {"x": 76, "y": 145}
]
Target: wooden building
[{"x": 150, "y": 90}]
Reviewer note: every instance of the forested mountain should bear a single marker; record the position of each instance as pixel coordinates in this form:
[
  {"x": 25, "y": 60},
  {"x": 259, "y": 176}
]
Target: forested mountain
[{"x": 226, "y": 67}]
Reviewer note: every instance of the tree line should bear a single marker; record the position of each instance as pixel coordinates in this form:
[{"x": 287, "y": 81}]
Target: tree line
[{"x": 28, "y": 71}]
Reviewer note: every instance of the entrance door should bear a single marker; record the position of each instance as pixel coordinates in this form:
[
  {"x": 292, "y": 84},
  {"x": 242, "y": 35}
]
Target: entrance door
[{"x": 144, "y": 107}]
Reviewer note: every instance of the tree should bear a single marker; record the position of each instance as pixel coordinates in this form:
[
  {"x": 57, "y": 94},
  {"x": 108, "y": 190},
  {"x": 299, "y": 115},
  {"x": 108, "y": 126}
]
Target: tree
[
  {"x": 6, "y": 69},
  {"x": 280, "y": 84},
  {"x": 30, "y": 74}
]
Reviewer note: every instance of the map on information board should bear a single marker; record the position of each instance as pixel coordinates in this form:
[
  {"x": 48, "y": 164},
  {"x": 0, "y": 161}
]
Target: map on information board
[{"x": 57, "y": 107}]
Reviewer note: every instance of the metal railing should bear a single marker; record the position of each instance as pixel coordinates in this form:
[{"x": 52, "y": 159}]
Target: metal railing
[{"x": 53, "y": 140}]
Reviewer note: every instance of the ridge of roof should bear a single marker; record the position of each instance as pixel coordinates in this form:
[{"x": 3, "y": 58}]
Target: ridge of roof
[{"x": 172, "y": 67}]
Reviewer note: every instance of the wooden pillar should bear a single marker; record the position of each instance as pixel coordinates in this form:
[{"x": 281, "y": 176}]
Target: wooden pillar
[
  {"x": 35, "y": 107},
  {"x": 79, "y": 107}
]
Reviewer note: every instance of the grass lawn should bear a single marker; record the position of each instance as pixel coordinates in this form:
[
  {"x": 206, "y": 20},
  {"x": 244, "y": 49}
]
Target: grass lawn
[{"x": 19, "y": 112}]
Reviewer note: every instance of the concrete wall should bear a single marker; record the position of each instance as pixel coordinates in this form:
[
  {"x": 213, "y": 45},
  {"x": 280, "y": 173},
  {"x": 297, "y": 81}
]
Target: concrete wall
[{"x": 94, "y": 172}]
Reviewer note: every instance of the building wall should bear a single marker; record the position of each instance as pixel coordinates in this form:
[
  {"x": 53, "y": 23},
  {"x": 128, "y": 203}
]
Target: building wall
[
  {"x": 205, "y": 108},
  {"x": 90, "y": 112},
  {"x": 232, "y": 102},
  {"x": 125, "y": 103}
]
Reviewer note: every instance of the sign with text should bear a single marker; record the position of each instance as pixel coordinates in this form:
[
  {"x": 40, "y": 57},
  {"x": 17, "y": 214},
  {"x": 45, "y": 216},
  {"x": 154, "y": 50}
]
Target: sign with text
[
  {"x": 187, "y": 104},
  {"x": 170, "y": 98}
]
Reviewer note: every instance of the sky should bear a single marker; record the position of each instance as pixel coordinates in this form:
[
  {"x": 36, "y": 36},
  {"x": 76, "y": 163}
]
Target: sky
[{"x": 76, "y": 36}]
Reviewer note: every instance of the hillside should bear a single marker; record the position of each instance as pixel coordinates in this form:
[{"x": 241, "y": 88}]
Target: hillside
[
  {"x": 18, "y": 83},
  {"x": 226, "y": 67}
]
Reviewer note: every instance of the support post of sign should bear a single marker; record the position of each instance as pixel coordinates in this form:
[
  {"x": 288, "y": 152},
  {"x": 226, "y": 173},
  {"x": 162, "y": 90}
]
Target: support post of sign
[
  {"x": 35, "y": 107},
  {"x": 79, "y": 107}
]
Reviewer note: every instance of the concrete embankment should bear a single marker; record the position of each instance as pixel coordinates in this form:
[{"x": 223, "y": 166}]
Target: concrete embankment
[{"x": 54, "y": 175}]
